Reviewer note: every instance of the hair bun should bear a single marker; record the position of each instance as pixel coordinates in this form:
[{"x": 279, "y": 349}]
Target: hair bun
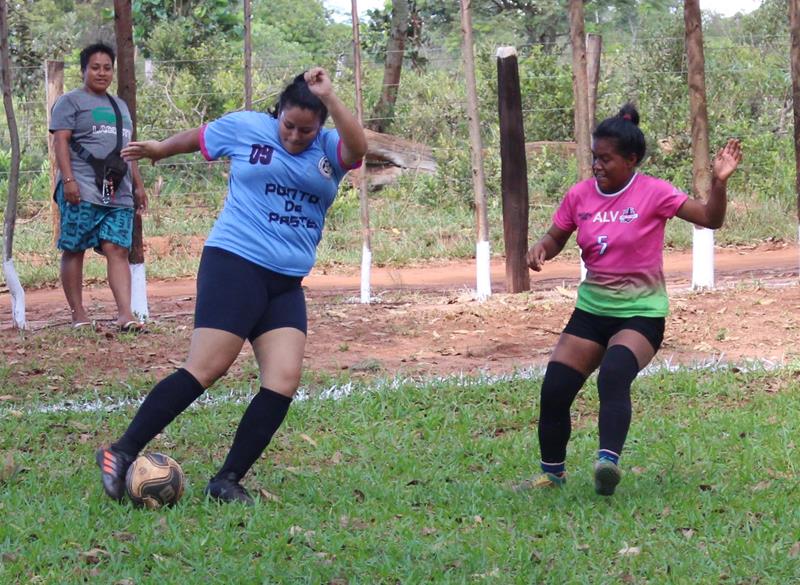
[{"x": 628, "y": 112}]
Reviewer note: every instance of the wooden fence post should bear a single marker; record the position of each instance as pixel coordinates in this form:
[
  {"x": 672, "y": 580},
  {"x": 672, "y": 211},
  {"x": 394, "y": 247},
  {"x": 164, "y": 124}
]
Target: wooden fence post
[
  {"x": 482, "y": 248},
  {"x": 54, "y": 88},
  {"x": 580, "y": 89},
  {"x": 513, "y": 171},
  {"x": 702, "y": 239},
  {"x": 594, "y": 50},
  {"x": 794, "y": 21},
  {"x": 10, "y": 220},
  {"x": 248, "y": 57},
  {"x": 366, "y": 248},
  {"x": 126, "y": 89}
]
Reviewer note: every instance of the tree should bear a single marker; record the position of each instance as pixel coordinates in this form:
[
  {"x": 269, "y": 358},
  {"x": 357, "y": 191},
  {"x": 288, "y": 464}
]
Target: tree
[{"x": 393, "y": 65}]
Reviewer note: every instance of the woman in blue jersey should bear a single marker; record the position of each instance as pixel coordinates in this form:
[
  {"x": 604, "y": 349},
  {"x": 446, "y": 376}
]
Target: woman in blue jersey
[{"x": 284, "y": 174}]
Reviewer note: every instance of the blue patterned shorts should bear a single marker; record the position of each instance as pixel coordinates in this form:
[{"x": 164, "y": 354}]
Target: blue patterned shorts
[{"x": 85, "y": 225}]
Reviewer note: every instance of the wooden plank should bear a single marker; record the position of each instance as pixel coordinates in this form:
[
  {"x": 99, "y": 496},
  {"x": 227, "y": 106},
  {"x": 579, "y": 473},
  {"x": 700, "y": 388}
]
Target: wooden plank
[{"x": 513, "y": 171}]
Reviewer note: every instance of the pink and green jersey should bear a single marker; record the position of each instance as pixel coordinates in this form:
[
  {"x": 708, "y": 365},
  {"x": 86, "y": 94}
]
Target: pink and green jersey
[{"x": 621, "y": 237}]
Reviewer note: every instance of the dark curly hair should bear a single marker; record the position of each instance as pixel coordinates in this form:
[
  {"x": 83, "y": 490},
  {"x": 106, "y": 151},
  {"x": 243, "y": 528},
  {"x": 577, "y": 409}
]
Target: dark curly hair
[
  {"x": 624, "y": 130},
  {"x": 297, "y": 94}
]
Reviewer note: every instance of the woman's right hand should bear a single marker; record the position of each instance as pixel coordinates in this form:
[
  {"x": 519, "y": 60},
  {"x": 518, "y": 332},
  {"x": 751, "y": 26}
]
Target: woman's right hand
[
  {"x": 72, "y": 193},
  {"x": 536, "y": 257},
  {"x": 151, "y": 149}
]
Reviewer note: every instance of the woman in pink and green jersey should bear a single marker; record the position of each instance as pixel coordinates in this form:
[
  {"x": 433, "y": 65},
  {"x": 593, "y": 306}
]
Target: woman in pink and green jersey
[{"x": 618, "y": 322}]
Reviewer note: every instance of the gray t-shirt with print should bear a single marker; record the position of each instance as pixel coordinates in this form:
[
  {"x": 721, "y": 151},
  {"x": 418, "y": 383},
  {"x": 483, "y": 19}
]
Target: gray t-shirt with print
[{"x": 93, "y": 123}]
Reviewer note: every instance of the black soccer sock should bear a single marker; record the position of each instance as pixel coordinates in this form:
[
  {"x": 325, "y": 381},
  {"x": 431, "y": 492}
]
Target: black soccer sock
[
  {"x": 170, "y": 397},
  {"x": 263, "y": 416},
  {"x": 618, "y": 370},
  {"x": 559, "y": 389}
]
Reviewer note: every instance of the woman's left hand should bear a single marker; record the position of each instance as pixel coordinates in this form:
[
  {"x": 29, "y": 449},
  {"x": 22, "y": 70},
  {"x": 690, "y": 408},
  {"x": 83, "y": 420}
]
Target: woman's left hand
[
  {"x": 727, "y": 159},
  {"x": 319, "y": 82}
]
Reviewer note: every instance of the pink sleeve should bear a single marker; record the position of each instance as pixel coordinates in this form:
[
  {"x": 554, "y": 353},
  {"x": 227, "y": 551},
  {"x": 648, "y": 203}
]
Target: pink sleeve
[
  {"x": 670, "y": 200},
  {"x": 563, "y": 217},
  {"x": 354, "y": 166},
  {"x": 203, "y": 148}
]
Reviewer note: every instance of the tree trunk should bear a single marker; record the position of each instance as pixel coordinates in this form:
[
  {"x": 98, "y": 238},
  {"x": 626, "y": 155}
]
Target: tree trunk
[
  {"x": 794, "y": 20},
  {"x": 126, "y": 89},
  {"x": 12, "y": 280},
  {"x": 54, "y": 83},
  {"x": 580, "y": 88},
  {"x": 363, "y": 193},
  {"x": 482, "y": 247},
  {"x": 702, "y": 239},
  {"x": 395, "y": 51}
]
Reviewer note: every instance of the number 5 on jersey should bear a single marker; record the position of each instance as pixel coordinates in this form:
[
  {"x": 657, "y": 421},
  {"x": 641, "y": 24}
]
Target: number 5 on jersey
[{"x": 602, "y": 242}]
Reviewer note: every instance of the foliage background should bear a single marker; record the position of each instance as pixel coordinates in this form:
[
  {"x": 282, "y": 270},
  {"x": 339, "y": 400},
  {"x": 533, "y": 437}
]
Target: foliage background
[{"x": 189, "y": 71}]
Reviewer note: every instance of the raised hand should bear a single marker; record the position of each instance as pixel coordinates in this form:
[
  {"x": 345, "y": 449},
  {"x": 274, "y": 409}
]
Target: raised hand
[
  {"x": 727, "y": 160},
  {"x": 319, "y": 82}
]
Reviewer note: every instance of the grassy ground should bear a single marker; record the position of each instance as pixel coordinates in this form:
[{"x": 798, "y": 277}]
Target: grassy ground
[{"x": 413, "y": 485}]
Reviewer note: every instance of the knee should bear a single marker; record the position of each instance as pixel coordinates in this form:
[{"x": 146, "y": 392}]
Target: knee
[
  {"x": 208, "y": 372},
  {"x": 560, "y": 386},
  {"x": 115, "y": 251},
  {"x": 284, "y": 381},
  {"x": 617, "y": 371}
]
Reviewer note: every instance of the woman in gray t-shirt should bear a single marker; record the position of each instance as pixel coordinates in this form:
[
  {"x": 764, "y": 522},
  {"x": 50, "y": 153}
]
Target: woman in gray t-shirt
[{"x": 84, "y": 122}]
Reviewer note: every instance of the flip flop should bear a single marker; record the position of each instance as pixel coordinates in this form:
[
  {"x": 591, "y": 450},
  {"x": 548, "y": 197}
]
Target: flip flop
[
  {"x": 83, "y": 324},
  {"x": 131, "y": 327}
]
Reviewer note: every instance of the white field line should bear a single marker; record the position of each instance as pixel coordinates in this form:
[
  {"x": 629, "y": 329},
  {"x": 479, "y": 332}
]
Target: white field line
[{"x": 340, "y": 391}]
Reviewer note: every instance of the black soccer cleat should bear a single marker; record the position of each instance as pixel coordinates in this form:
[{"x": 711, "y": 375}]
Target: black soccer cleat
[
  {"x": 606, "y": 477},
  {"x": 226, "y": 488},
  {"x": 113, "y": 467}
]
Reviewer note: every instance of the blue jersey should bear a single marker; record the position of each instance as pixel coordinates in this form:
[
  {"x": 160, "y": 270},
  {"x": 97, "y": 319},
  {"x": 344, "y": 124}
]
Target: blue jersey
[{"x": 277, "y": 201}]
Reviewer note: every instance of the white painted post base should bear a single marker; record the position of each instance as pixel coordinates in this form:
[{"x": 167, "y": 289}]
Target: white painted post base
[
  {"x": 17, "y": 295},
  {"x": 483, "y": 261},
  {"x": 583, "y": 270},
  {"x": 702, "y": 258},
  {"x": 139, "y": 292},
  {"x": 366, "y": 268}
]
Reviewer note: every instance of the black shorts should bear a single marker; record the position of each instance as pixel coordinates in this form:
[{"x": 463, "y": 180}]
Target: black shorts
[
  {"x": 601, "y": 329},
  {"x": 243, "y": 298}
]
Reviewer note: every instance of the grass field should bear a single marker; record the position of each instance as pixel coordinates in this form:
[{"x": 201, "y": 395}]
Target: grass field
[{"x": 413, "y": 485}]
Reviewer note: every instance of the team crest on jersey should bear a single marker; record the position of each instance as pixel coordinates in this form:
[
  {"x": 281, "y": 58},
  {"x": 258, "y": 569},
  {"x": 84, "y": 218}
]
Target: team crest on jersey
[
  {"x": 628, "y": 215},
  {"x": 325, "y": 167},
  {"x": 584, "y": 215}
]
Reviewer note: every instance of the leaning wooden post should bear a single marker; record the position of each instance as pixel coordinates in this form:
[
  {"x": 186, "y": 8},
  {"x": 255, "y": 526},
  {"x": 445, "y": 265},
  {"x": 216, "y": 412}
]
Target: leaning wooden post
[
  {"x": 594, "y": 49},
  {"x": 580, "y": 89},
  {"x": 366, "y": 248},
  {"x": 513, "y": 171},
  {"x": 702, "y": 238},
  {"x": 126, "y": 89},
  {"x": 794, "y": 20},
  {"x": 54, "y": 84},
  {"x": 248, "y": 57},
  {"x": 12, "y": 279},
  {"x": 482, "y": 248}
]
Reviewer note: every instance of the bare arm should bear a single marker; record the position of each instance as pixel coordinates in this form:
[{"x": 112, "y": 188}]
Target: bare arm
[
  {"x": 711, "y": 214},
  {"x": 547, "y": 247},
  {"x": 354, "y": 142},
  {"x": 61, "y": 140},
  {"x": 155, "y": 150}
]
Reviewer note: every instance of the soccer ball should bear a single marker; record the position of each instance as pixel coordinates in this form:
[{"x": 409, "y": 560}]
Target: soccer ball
[{"x": 154, "y": 480}]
